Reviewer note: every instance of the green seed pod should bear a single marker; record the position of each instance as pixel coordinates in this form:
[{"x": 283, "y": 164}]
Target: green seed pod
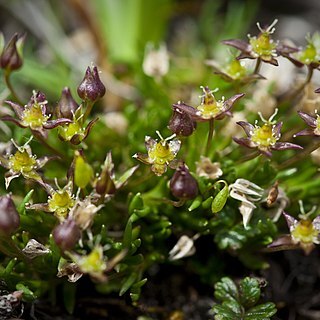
[
  {"x": 221, "y": 198},
  {"x": 83, "y": 172}
]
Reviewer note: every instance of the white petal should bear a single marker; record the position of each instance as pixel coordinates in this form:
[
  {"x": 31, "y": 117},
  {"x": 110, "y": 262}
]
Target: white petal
[
  {"x": 246, "y": 211},
  {"x": 183, "y": 248}
]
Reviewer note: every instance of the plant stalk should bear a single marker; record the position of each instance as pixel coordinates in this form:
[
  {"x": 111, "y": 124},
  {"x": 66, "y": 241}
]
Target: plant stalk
[
  {"x": 210, "y": 135},
  {"x": 10, "y": 87}
]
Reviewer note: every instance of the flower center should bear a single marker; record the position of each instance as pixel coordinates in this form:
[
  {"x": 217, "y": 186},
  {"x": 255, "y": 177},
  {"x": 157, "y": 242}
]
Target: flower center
[
  {"x": 161, "y": 153},
  {"x": 263, "y": 46},
  {"x": 263, "y": 136},
  {"x": 309, "y": 54},
  {"x": 60, "y": 202},
  {"x": 34, "y": 117},
  {"x": 305, "y": 232},
  {"x": 235, "y": 69},
  {"x": 22, "y": 161},
  {"x": 69, "y": 130}
]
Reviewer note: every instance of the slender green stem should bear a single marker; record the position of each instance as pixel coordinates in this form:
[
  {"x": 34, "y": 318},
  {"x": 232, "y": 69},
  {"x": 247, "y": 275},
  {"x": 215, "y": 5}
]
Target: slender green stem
[
  {"x": 257, "y": 67},
  {"x": 88, "y": 106},
  {"x": 10, "y": 87},
  {"x": 210, "y": 135},
  {"x": 300, "y": 156},
  {"x": 45, "y": 144},
  {"x": 296, "y": 92},
  {"x": 9, "y": 248},
  {"x": 248, "y": 157}
]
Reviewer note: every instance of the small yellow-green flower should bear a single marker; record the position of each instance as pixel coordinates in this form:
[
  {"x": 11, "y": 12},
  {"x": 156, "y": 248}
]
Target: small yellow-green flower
[
  {"x": 76, "y": 131},
  {"x": 160, "y": 154},
  {"x": 24, "y": 163},
  {"x": 93, "y": 263},
  {"x": 60, "y": 201},
  {"x": 209, "y": 108},
  {"x": 34, "y": 115},
  {"x": 304, "y": 232},
  {"x": 259, "y": 47},
  {"x": 263, "y": 46},
  {"x": 264, "y": 138}
]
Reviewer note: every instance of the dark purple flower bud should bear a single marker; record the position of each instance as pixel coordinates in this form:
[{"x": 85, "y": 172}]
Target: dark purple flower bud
[
  {"x": 11, "y": 57},
  {"x": 181, "y": 123},
  {"x": 66, "y": 106},
  {"x": 183, "y": 185},
  {"x": 37, "y": 97},
  {"x": 91, "y": 88},
  {"x": 9, "y": 216},
  {"x": 66, "y": 234}
]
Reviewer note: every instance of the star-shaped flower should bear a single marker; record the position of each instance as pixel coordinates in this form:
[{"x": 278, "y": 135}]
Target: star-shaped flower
[
  {"x": 304, "y": 233},
  {"x": 24, "y": 163},
  {"x": 34, "y": 115},
  {"x": 306, "y": 56},
  {"x": 264, "y": 138},
  {"x": 209, "y": 107},
  {"x": 59, "y": 202},
  {"x": 75, "y": 131},
  {"x": 160, "y": 154},
  {"x": 262, "y": 47},
  {"x": 234, "y": 71}
]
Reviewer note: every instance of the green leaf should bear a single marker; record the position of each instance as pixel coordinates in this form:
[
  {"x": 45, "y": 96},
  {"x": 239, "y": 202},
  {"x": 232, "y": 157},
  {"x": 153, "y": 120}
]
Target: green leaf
[
  {"x": 249, "y": 292},
  {"x": 229, "y": 310},
  {"x": 261, "y": 312},
  {"x": 123, "y": 179},
  {"x": 136, "y": 203},
  {"x": 69, "y": 296},
  {"x": 127, "y": 237},
  {"x": 128, "y": 283},
  {"x": 21, "y": 208},
  {"x": 207, "y": 203},
  {"x": 28, "y": 295},
  {"x": 136, "y": 290},
  {"x": 230, "y": 239},
  {"x": 195, "y": 203},
  {"x": 226, "y": 290}
]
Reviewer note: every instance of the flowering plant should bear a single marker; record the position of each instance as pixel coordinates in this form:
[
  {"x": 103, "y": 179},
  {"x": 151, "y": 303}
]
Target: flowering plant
[{"x": 127, "y": 213}]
